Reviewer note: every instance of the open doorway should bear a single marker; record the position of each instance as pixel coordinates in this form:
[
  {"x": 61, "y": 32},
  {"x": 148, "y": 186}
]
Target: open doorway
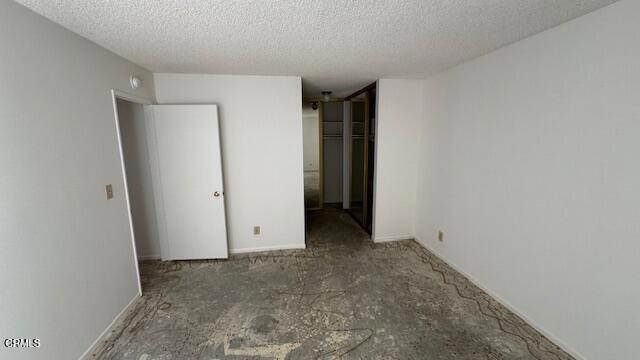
[
  {"x": 328, "y": 221},
  {"x": 132, "y": 140},
  {"x": 339, "y": 159}
]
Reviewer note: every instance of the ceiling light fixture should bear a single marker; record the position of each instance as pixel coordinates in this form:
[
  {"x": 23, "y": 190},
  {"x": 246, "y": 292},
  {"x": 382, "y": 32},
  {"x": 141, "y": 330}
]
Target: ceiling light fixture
[{"x": 326, "y": 96}]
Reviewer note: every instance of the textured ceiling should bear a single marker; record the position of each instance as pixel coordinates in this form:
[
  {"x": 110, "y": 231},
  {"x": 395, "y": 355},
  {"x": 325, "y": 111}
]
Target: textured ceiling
[{"x": 337, "y": 45}]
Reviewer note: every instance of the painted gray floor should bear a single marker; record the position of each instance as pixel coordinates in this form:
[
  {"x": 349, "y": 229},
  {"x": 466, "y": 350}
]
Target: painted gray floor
[{"x": 343, "y": 297}]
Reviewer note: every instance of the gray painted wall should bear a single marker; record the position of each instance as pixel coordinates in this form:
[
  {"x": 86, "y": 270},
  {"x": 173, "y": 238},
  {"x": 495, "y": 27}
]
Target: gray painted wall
[
  {"x": 529, "y": 164},
  {"x": 66, "y": 249}
]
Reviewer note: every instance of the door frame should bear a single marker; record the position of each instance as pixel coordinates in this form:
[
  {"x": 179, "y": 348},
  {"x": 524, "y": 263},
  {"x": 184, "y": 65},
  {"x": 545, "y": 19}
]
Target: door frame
[{"x": 122, "y": 95}]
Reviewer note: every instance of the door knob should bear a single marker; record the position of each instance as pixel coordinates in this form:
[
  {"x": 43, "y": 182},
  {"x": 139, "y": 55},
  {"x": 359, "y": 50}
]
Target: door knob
[{"x": 216, "y": 194}]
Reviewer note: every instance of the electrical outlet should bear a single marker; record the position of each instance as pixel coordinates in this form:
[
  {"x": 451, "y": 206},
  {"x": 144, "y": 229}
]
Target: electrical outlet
[
  {"x": 440, "y": 236},
  {"x": 109, "y": 190},
  {"x": 256, "y": 230}
]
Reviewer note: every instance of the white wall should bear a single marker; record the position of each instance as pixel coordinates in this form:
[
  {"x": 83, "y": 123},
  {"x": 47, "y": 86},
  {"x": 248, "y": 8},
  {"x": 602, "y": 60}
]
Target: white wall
[
  {"x": 399, "y": 111},
  {"x": 140, "y": 185},
  {"x": 65, "y": 251},
  {"x": 530, "y": 166},
  {"x": 311, "y": 137},
  {"x": 261, "y": 135}
]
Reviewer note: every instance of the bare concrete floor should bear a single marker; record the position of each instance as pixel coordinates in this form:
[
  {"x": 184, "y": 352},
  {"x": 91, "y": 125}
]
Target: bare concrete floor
[{"x": 343, "y": 297}]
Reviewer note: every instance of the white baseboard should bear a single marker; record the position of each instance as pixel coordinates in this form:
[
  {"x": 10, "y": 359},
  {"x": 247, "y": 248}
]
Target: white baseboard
[
  {"x": 505, "y": 303},
  {"x": 148, "y": 257},
  {"x": 267, "y": 248},
  {"x": 382, "y": 239},
  {"x": 87, "y": 354}
]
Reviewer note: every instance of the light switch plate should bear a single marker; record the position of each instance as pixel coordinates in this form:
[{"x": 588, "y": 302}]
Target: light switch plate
[{"x": 109, "y": 190}]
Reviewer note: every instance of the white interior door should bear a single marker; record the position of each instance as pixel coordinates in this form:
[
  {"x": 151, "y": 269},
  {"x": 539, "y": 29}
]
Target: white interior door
[{"x": 184, "y": 150}]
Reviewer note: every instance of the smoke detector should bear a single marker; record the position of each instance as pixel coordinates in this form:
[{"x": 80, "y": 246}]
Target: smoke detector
[{"x": 135, "y": 82}]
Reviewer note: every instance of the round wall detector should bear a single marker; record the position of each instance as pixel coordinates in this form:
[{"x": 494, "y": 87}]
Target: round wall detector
[{"x": 135, "y": 82}]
